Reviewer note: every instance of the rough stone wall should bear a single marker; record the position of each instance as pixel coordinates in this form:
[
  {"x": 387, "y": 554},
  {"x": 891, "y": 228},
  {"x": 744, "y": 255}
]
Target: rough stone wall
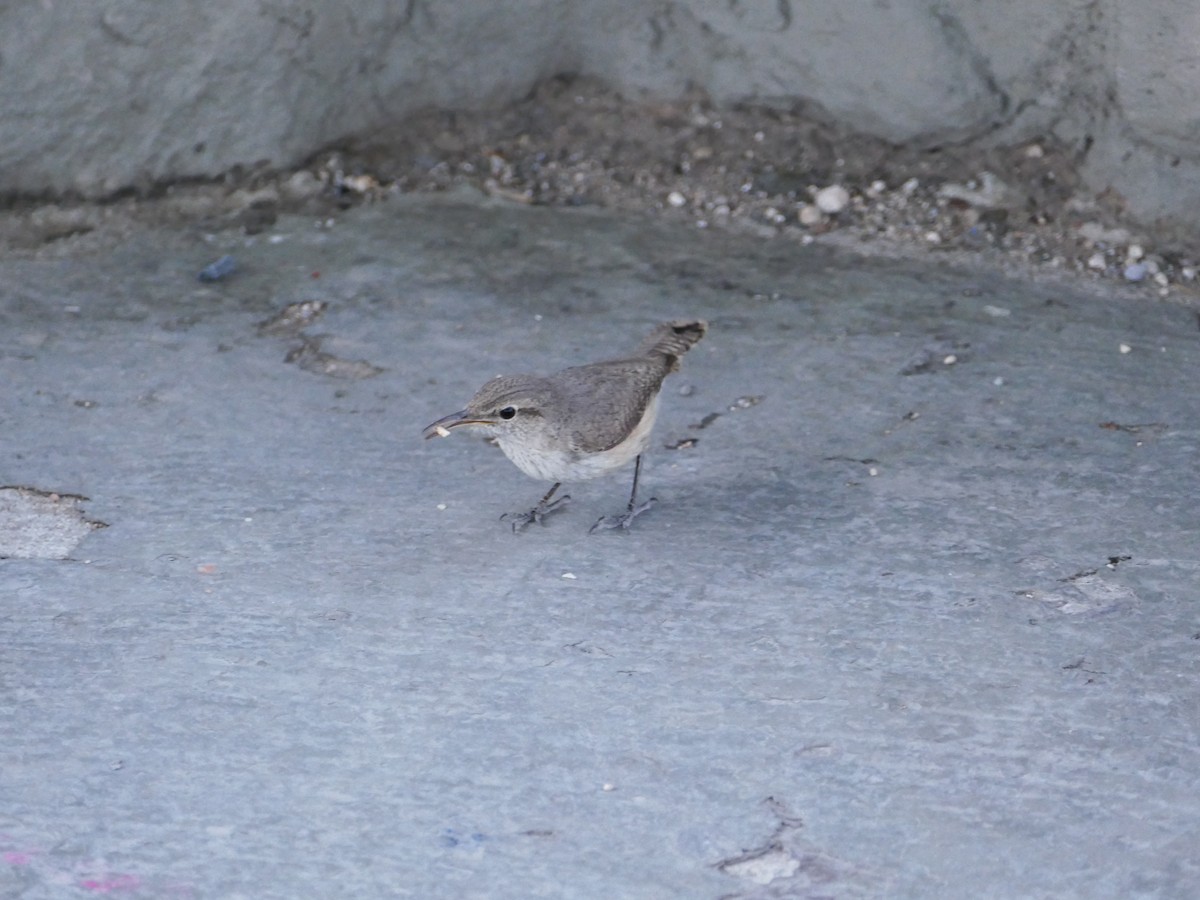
[{"x": 102, "y": 96}]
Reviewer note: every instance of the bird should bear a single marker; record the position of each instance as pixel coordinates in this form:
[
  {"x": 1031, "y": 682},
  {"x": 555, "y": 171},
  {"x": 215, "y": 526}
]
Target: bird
[{"x": 579, "y": 423}]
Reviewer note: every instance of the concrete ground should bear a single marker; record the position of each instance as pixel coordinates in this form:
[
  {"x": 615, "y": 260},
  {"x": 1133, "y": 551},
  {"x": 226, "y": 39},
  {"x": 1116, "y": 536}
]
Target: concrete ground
[{"x": 917, "y": 615}]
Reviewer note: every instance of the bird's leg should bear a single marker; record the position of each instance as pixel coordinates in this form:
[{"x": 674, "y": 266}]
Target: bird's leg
[
  {"x": 625, "y": 519},
  {"x": 520, "y": 519}
]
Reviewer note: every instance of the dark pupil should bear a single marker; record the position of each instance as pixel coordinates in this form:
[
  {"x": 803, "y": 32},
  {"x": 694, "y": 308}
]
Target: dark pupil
[{"x": 507, "y": 413}]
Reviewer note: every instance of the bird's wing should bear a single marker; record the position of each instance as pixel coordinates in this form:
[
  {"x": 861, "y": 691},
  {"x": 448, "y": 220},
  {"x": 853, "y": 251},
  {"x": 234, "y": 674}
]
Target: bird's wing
[{"x": 606, "y": 400}]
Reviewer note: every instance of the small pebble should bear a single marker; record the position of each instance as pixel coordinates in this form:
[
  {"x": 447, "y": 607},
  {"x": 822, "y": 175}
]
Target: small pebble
[
  {"x": 910, "y": 186},
  {"x": 1034, "y": 151},
  {"x": 1188, "y": 273},
  {"x": 872, "y": 471},
  {"x": 676, "y": 199},
  {"x": 949, "y": 360},
  {"x": 1125, "y": 348},
  {"x": 998, "y": 381},
  {"x": 1135, "y": 272},
  {"x": 810, "y": 215},
  {"x": 687, "y": 390},
  {"x": 832, "y": 199},
  {"x": 570, "y": 576},
  {"x": 933, "y": 237},
  {"x": 997, "y": 312},
  {"x": 1097, "y": 261},
  {"x": 1160, "y": 278},
  {"x": 441, "y": 506},
  {"x": 1135, "y": 252}
]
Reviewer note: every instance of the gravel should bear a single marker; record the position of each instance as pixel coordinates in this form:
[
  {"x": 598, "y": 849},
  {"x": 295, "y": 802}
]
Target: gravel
[{"x": 782, "y": 172}]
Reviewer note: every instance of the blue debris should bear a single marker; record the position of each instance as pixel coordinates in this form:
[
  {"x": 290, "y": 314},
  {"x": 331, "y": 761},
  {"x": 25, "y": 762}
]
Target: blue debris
[{"x": 215, "y": 271}]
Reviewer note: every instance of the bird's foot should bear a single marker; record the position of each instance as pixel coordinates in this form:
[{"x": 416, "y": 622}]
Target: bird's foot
[
  {"x": 625, "y": 519},
  {"x": 520, "y": 520}
]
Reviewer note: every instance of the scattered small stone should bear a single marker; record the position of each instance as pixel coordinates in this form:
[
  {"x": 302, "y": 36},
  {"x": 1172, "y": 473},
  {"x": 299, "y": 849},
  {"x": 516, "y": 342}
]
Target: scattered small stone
[
  {"x": 1160, "y": 278},
  {"x": 949, "y": 360},
  {"x": 832, "y": 199},
  {"x": 1034, "y": 151},
  {"x": 1134, "y": 252},
  {"x": 1125, "y": 348},
  {"x": 997, "y": 312},
  {"x": 1097, "y": 261},
  {"x": 989, "y": 194},
  {"x": 570, "y": 576},
  {"x": 746, "y": 402},
  {"x": 1188, "y": 273},
  {"x": 809, "y": 215},
  {"x": 1134, "y": 272},
  {"x": 676, "y": 199},
  {"x": 686, "y": 390}
]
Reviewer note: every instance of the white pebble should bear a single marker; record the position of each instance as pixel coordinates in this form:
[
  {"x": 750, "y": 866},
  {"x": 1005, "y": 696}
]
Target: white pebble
[
  {"x": 1035, "y": 151},
  {"x": 910, "y": 186},
  {"x": 1097, "y": 261},
  {"x": 441, "y": 506},
  {"x": 570, "y": 576},
  {"x": 998, "y": 381},
  {"x": 1135, "y": 252},
  {"x": 998, "y": 312},
  {"x": 1125, "y": 348},
  {"x": 872, "y": 471},
  {"x": 933, "y": 237},
  {"x": 832, "y": 199},
  {"x": 1160, "y": 278},
  {"x": 810, "y": 215},
  {"x": 676, "y": 199},
  {"x": 1188, "y": 273},
  {"x": 949, "y": 360}
]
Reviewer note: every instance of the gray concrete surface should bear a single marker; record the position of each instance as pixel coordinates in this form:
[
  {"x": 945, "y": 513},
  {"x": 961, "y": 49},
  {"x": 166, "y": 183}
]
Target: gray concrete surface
[
  {"x": 921, "y": 622},
  {"x": 127, "y": 94}
]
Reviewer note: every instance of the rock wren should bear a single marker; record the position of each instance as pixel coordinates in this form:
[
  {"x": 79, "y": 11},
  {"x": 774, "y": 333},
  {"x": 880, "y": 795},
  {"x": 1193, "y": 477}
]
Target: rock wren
[{"x": 581, "y": 422}]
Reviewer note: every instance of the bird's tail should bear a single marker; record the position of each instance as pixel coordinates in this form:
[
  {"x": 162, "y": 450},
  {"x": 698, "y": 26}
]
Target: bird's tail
[{"x": 673, "y": 339}]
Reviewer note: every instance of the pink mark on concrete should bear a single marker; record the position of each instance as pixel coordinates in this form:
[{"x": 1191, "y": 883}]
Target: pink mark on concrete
[
  {"x": 109, "y": 883},
  {"x": 17, "y": 858}
]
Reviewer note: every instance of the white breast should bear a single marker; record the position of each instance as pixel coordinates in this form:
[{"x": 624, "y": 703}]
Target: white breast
[{"x": 538, "y": 459}]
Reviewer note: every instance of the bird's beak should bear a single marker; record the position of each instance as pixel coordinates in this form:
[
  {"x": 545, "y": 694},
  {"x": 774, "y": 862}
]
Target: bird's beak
[{"x": 441, "y": 428}]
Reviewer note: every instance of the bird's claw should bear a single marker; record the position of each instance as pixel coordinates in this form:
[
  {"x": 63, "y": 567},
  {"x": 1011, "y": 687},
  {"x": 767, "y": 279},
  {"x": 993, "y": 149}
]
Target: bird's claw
[
  {"x": 625, "y": 519},
  {"x": 521, "y": 520}
]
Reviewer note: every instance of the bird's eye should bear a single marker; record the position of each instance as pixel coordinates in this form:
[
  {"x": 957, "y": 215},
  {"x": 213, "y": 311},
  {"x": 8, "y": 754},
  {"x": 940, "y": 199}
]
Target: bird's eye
[{"x": 508, "y": 412}]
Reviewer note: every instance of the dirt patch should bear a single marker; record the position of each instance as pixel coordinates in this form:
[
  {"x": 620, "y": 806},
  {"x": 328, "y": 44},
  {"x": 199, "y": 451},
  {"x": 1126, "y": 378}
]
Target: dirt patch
[{"x": 783, "y": 172}]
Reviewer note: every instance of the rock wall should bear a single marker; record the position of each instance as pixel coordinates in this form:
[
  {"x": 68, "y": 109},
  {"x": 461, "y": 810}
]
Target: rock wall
[{"x": 99, "y": 97}]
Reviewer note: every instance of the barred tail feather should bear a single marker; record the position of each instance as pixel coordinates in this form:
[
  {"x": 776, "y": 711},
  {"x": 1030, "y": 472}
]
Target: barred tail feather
[{"x": 673, "y": 339}]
